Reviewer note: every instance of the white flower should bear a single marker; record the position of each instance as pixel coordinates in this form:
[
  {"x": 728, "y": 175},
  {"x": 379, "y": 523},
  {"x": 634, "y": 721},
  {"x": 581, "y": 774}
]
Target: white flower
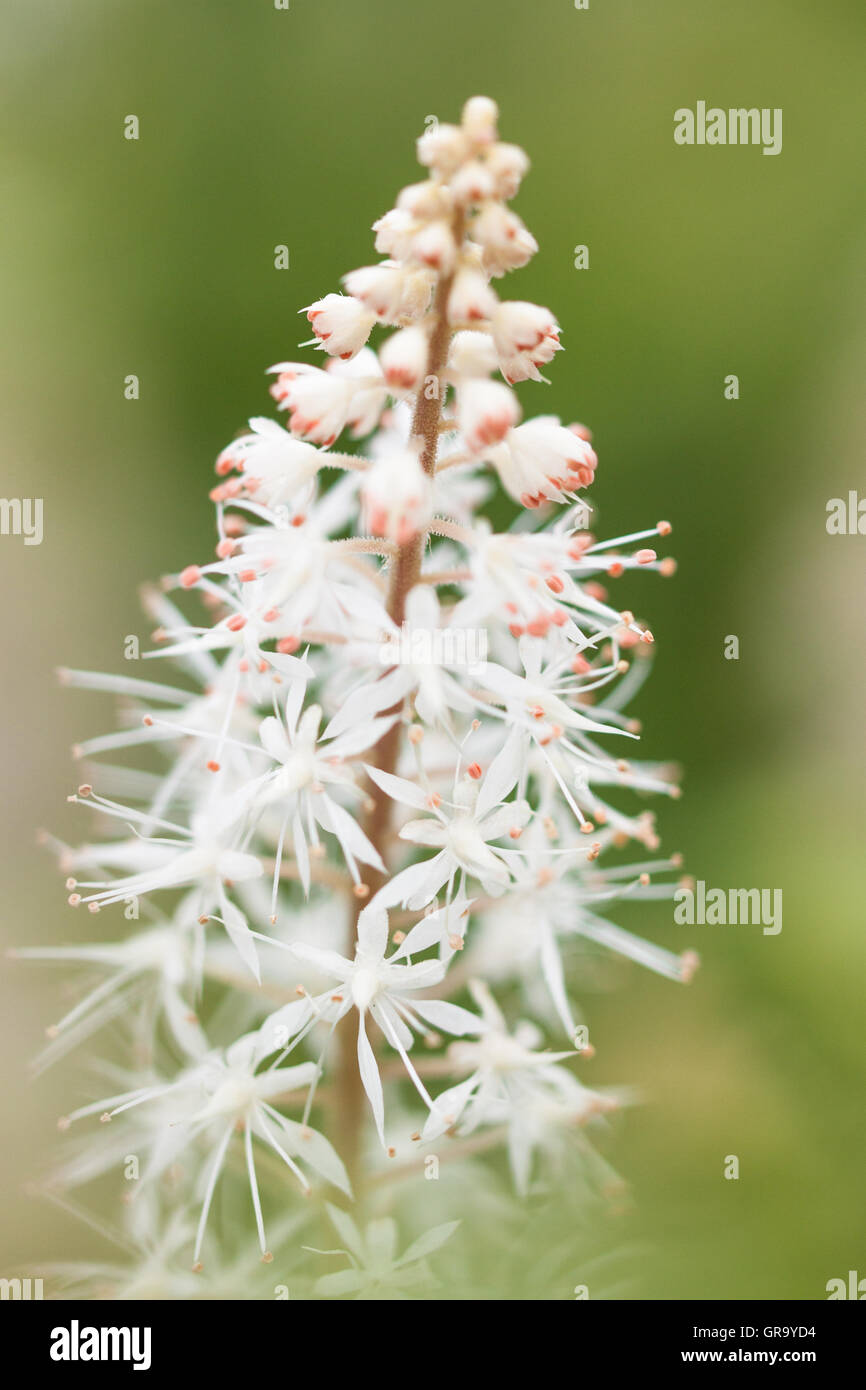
[
  {"x": 178, "y": 710},
  {"x": 383, "y": 988},
  {"x": 472, "y": 355},
  {"x": 390, "y": 291},
  {"x": 397, "y": 496},
  {"x": 512, "y": 1084},
  {"x": 526, "y": 337},
  {"x": 322, "y": 403},
  {"x": 434, "y": 246},
  {"x": 245, "y": 634},
  {"x": 394, "y": 232},
  {"x": 478, "y": 118},
  {"x": 150, "y": 1273},
  {"x": 541, "y": 459},
  {"x": 341, "y": 324},
  {"x": 540, "y": 694},
  {"x": 536, "y": 705},
  {"x": 152, "y": 1270},
  {"x": 506, "y": 243},
  {"x": 298, "y": 573},
  {"x": 160, "y": 959},
  {"x": 223, "y": 1095},
  {"x": 471, "y": 299},
  {"x": 470, "y": 676},
  {"x": 443, "y": 148},
  {"x": 318, "y": 402},
  {"x": 421, "y": 670},
  {"x": 533, "y": 582},
  {"x": 464, "y": 830},
  {"x": 276, "y": 467},
  {"x": 425, "y": 201},
  {"x": 472, "y": 184},
  {"x": 486, "y": 411},
  {"x": 404, "y": 359},
  {"x": 206, "y": 855},
  {"x": 299, "y": 784},
  {"x": 558, "y": 896},
  {"x": 507, "y": 164}
]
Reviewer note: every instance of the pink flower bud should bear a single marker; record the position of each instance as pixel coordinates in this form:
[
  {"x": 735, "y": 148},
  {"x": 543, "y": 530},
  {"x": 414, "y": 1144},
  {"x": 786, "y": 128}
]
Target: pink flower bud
[
  {"x": 472, "y": 184},
  {"x": 443, "y": 148},
  {"x": 471, "y": 299},
  {"x": 394, "y": 233},
  {"x": 425, "y": 201},
  {"x": 526, "y": 337},
  {"x": 396, "y": 493},
  {"x": 390, "y": 291},
  {"x": 404, "y": 358},
  {"x": 507, "y": 165},
  {"x": 507, "y": 245},
  {"x": 542, "y": 460},
  {"x": 318, "y": 402},
  {"x": 486, "y": 411},
  {"x": 434, "y": 247},
  {"x": 341, "y": 324},
  {"x": 472, "y": 354},
  {"x": 479, "y": 118}
]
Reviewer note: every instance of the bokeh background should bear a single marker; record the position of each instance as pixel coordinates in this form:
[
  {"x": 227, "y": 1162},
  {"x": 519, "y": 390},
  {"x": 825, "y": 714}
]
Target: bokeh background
[{"x": 261, "y": 126}]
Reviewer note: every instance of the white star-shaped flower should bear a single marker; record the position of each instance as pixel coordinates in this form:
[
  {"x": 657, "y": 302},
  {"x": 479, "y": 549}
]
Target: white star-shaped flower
[{"x": 380, "y": 987}]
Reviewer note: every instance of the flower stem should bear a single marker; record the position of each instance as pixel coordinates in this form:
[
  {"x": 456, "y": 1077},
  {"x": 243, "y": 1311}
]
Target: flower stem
[{"x": 405, "y": 570}]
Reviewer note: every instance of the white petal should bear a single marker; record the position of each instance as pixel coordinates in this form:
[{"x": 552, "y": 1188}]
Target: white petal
[
  {"x": 302, "y": 852},
  {"x": 425, "y": 832},
  {"x": 428, "y": 932},
  {"x": 551, "y": 965},
  {"x": 502, "y": 773},
  {"x": 238, "y": 929},
  {"x": 451, "y": 1018},
  {"x": 370, "y": 1079},
  {"x": 514, "y": 814},
  {"x": 423, "y": 975},
  {"x": 398, "y": 788},
  {"x": 448, "y": 1107},
  {"x": 357, "y": 740},
  {"x": 330, "y": 962},
  {"x": 294, "y": 701},
  {"x": 373, "y": 930},
  {"x": 370, "y": 699},
  {"x": 313, "y": 1148},
  {"x": 280, "y": 1027},
  {"x": 274, "y": 740},
  {"x": 348, "y": 832},
  {"x": 418, "y": 883},
  {"x": 391, "y": 1024}
]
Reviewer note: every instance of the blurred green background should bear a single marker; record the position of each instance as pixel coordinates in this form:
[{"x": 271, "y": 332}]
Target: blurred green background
[{"x": 155, "y": 257}]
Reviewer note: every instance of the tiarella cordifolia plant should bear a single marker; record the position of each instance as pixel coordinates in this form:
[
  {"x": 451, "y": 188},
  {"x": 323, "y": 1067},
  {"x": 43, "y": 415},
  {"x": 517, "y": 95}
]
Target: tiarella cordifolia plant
[{"x": 383, "y": 806}]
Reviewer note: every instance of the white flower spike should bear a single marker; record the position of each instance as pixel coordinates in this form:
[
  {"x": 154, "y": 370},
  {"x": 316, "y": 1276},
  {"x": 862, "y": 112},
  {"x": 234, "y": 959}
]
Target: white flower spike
[{"x": 387, "y": 765}]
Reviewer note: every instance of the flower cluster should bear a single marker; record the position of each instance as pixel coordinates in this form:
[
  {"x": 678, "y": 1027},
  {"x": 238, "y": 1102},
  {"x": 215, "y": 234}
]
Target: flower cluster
[{"x": 343, "y": 874}]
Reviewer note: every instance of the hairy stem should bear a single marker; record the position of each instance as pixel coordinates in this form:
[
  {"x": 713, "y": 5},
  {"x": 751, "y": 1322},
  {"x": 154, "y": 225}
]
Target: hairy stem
[{"x": 405, "y": 570}]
